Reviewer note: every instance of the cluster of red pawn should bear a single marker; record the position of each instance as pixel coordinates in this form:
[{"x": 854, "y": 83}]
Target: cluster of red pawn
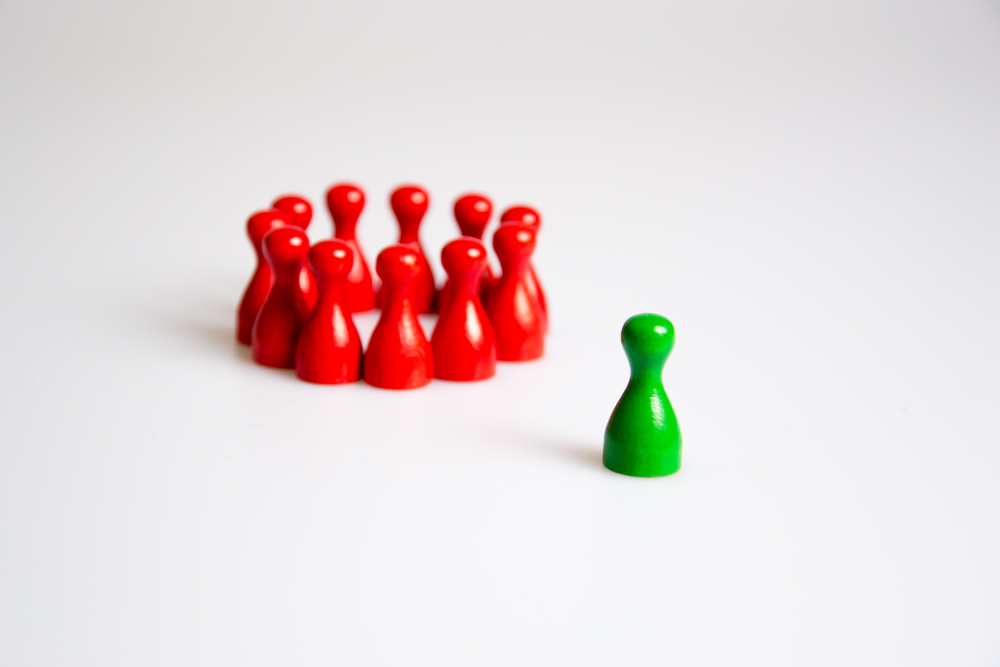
[{"x": 296, "y": 311}]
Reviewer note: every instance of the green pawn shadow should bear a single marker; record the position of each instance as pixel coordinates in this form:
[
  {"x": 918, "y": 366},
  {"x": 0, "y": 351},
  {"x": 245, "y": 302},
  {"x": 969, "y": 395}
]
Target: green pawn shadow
[{"x": 642, "y": 438}]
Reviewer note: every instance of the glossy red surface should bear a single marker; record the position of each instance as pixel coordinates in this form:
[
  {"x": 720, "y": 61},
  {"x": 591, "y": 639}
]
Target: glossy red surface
[
  {"x": 299, "y": 212},
  {"x": 472, "y": 213},
  {"x": 463, "y": 342},
  {"x": 398, "y": 355},
  {"x": 346, "y": 201},
  {"x": 523, "y": 214},
  {"x": 329, "y": 347},
  {"x": 531, "y": 217},
  {"x": 514, "y": 311},
  {"x": 298, "y": 209},
  {"x": 409, "y": 204},
  {"x": 285, "y": 309},
  {"x": 259, "y": 224}
]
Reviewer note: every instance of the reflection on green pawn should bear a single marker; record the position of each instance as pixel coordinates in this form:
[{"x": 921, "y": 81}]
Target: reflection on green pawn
[{"x": 642, "y": 438}]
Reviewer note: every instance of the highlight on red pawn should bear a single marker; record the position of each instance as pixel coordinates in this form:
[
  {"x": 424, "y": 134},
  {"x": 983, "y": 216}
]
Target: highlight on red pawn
[
  {"x": 529, "y": 216},
  {"x": 285, "y": 309},
  {"x": 259, "y": 224},
  {"x": 523, "y": 214},
  {"x": 409, "y": 204},
  {"x": 398, "y": 355},
  {"x": 513, "y": 308},
  {"x": 298, "y": 209},
  {"x": 346, "y": 201},
  {"x": 329, "y": 347},
  {"x": 472, "y": 214},
  {"x": 463, "y": 342}
]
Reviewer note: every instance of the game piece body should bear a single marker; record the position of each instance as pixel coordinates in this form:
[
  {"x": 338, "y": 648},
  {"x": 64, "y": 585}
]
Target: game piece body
[
  {"x": 345, "y": 202},
  {"x": 463, "y": 342},
  {"x": 299, "y": 212},
  {"x": 514, "y": 312},
  {"x": 529, "y": 216},
  {"x": 409, "y": 204},
  {"x": 329, "y": 347},
  {"x": 398, "y": 355},
  {"x": 258, "y": 225},
  {"x": 642, "y": 438},
  {"x": 472, "y": 213},
  {"x": 285, "y": 309}
]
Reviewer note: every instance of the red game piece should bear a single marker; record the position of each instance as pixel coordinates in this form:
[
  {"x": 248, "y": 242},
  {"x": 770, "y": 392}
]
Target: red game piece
[
  {"x": 409, "y": 203},
  {"x": 524, "y": 214},
  {"x": 260, "y": 223},
  {"x": 329, "y": 348},
  {"x": 285, "y": 309},
  {"x": 398, "y": 355},
  {"x": 298, "y": 209},
  {"x": 531, "y": 217},
  {"x": 516, "y": 315},
  {"x": 346, "y": 202},
  {"x": 463, "y": 342},
  {"x": 472, "y": 213},
  {"x": 299, "y": 212}
]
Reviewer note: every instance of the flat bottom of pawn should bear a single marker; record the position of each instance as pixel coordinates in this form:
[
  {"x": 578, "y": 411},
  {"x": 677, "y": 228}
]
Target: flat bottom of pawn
[
  {"x": 644, "y": 466},
  {"x": 406, "y": 387}
]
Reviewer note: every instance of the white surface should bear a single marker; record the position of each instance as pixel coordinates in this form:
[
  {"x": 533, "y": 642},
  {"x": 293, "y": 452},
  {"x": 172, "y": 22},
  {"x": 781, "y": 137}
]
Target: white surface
[{"x": 808, "y": 190}]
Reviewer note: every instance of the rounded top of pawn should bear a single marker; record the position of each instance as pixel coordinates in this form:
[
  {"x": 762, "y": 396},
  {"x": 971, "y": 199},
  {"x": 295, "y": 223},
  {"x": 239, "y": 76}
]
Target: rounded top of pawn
[
  {"x": 345, "y": 201},
  {"x": 298, "y": 209},
  {"x": 472, "y": 213},
  {"x": 524, "y": 214},
  {"x": 261, "y": 222},
  {"x": 330, "y": 258},
  {"x": 285, "y": 247},
  {"x": 648, "y": 340},
  {"x": 409, "y": 201},
  {"x": 397, "y": 263},
  {"x": 463, "y": 255},
  {"x": 514, "y": 241}
]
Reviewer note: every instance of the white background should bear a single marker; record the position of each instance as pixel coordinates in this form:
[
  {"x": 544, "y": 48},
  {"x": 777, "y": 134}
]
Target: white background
[{"x": 810, "y": 191}]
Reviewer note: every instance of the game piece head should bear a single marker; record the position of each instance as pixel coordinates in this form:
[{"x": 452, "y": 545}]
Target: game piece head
[
  {"x": 261, "y": 222},
  {"x": 345, "y": 202},
  {"x": 648, "y": 340},
  {"x": 472, "y": 213},
  {"x": 514, "y": 242},
  {"x": 330, "y": 258},
  {"x": 524, "y": 214},
  {"x": 285, "y": 248},
  {"x": 409, "y": 202},
  {"x": 397, "y": 264},
  {"x": 298, "y": 209},
  {"x": 463, "y": 256}
]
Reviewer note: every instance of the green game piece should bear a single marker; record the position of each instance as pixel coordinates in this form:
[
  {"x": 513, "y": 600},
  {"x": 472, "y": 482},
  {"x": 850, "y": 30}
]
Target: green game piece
[{"x": 642, "y": 438}]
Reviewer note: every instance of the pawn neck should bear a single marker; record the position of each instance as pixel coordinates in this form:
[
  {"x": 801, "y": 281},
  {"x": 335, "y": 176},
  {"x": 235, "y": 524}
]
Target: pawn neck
[{"x": 344, "y": 229}]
